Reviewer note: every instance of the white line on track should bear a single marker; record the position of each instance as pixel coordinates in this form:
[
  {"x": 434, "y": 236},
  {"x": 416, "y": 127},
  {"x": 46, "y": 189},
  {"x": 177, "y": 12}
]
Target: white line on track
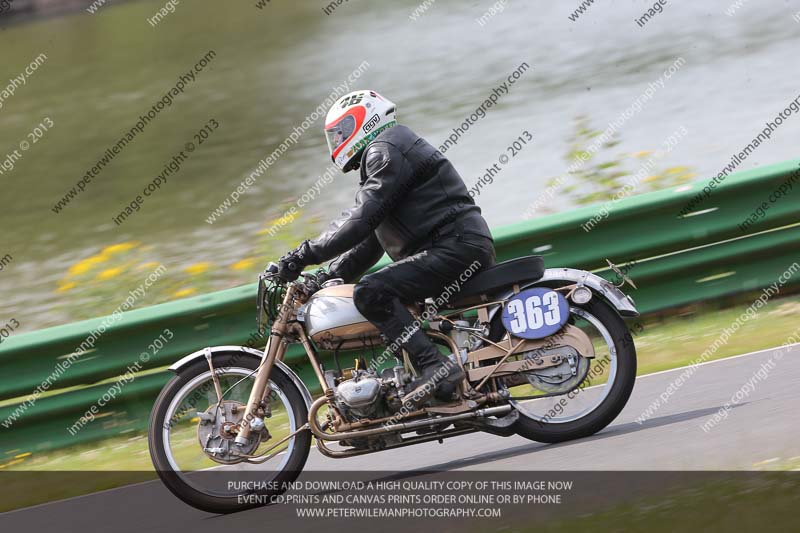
[{"x": 722, "y": 359}]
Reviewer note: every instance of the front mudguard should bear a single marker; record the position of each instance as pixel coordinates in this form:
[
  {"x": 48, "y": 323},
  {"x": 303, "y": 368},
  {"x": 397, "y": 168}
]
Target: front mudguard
[{"x": 249, "y": 352}]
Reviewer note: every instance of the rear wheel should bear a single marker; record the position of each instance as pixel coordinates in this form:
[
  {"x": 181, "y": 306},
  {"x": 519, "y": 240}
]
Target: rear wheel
[
  {"x": 571, "y": 405},
  {"x": 192, "y": 435}
]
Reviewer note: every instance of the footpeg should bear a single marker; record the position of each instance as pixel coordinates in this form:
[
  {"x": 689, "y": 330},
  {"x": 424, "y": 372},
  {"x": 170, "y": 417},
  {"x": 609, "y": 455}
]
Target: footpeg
[{"x": 502, "y": 427}]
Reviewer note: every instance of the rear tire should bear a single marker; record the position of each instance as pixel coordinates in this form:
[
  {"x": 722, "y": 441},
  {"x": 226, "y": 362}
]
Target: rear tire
[
  {"x": 201, "y": 500},
  {"x": 610, "y": 407}
]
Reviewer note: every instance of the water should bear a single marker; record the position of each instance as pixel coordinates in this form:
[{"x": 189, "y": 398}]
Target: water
[{"x": 274, "y": 66}]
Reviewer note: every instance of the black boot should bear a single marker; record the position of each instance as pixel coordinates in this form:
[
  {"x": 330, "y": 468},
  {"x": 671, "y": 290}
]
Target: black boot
[{"x": 439, "y": 376}]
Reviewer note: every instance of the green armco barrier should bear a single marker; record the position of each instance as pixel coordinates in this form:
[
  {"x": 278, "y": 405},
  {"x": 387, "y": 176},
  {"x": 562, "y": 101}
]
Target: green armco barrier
[{"x": 678, "y": 260}]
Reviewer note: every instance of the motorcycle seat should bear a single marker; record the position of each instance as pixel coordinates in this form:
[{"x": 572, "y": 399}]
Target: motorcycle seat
[{"x": 500, "y": 276}]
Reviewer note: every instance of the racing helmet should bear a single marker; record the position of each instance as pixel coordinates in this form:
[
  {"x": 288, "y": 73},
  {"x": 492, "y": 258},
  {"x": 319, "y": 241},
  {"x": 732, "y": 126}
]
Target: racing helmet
[{"x": 353, "y": 122}]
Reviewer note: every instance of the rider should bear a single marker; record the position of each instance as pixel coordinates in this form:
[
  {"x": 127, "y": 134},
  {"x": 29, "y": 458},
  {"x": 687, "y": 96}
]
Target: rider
[{"x": 413, "y": 205}]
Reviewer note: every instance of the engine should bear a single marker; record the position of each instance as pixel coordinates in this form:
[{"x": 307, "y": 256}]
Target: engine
[
  {"x": 333, "y": 323},
  {"x": 367, "y": 395}
]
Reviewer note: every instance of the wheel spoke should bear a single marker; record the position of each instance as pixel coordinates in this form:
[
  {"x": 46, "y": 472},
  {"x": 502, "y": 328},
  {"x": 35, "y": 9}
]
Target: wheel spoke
[
  {"x": 204, "y": 416},
  {"x": 564, "y": 394}
]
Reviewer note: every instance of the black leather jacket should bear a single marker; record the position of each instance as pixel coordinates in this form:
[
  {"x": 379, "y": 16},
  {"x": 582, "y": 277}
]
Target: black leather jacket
[{"x": 410, "y": 196}]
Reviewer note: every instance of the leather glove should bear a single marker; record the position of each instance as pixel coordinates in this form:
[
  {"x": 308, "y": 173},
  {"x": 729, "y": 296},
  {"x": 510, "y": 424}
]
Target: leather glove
[{"x": 292, "y": 264}]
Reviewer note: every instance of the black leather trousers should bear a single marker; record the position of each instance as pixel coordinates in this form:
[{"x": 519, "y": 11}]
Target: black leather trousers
[{"x": 380, "y": 296}]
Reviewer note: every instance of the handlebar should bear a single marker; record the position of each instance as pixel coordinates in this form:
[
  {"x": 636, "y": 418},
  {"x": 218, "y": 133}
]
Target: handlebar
[
  {"x": 271, "y": 293},
  {"x": 309, "y": 282}
]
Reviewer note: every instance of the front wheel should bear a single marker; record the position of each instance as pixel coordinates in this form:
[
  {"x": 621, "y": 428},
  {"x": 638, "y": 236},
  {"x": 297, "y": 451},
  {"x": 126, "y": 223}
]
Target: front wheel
[
  {"x": 572, "y": 403},
  {"x": 192, "y": 434}
]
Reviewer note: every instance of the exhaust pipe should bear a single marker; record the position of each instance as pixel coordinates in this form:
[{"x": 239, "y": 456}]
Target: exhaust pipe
[{"x": 398, "y": 427}]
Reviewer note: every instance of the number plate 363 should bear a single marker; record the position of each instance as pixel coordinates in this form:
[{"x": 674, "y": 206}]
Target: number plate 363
[{"x": 535, "y": 313}]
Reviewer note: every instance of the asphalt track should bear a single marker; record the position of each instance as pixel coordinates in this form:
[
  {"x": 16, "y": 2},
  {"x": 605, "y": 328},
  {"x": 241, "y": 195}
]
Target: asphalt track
[{"x": 760, "y": 430}]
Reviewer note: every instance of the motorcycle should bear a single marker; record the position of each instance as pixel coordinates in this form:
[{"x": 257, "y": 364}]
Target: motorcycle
[{"x": 546, "y": 355}]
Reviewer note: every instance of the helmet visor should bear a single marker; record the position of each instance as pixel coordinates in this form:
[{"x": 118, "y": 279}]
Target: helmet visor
[{"x": 339, "y": 132}]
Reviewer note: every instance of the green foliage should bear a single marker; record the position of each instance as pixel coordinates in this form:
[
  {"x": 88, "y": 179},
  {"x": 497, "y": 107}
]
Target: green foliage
[
  {"x": 598, "y": 175},
  {"x": 97, "y": 284}
]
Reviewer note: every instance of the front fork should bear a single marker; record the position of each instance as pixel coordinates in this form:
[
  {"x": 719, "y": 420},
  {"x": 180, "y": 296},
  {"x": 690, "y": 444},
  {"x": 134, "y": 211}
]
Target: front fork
[{"x": 275, "y": 350}]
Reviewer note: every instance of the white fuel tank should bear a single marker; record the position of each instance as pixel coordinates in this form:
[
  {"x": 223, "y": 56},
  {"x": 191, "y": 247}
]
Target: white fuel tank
[{"x": 332, "y": 320}]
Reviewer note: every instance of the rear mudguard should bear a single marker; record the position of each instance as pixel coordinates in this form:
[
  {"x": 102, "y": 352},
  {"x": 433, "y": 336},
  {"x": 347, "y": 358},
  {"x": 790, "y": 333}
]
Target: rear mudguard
[
  {"x": 600, "y": 287},
  {"x": 249, "y": 352}
]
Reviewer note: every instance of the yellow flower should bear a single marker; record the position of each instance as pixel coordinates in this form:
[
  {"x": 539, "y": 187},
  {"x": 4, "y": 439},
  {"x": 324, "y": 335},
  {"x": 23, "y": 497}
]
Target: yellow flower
[
  {"x": 183, "y": 293},
  {"x": 87, "y": 264},
  {"x": 643, "y": 153},
  {"x": 148, "y": 265},
  {"x": 677, "y": 170},
  {"x": 197, "y": 268},
  {"x": 122, "y": 247},
  {"x": 79, "y": 268},
  {"x": 243, "y": 264},
  {"x": 109, "y": 273},
  {"x": 64, "y": 287},
  {"x": 279, "y": 222}
]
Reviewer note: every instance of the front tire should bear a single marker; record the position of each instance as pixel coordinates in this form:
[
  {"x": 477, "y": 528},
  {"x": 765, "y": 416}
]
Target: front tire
[{"x": 163, "y": 456}]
